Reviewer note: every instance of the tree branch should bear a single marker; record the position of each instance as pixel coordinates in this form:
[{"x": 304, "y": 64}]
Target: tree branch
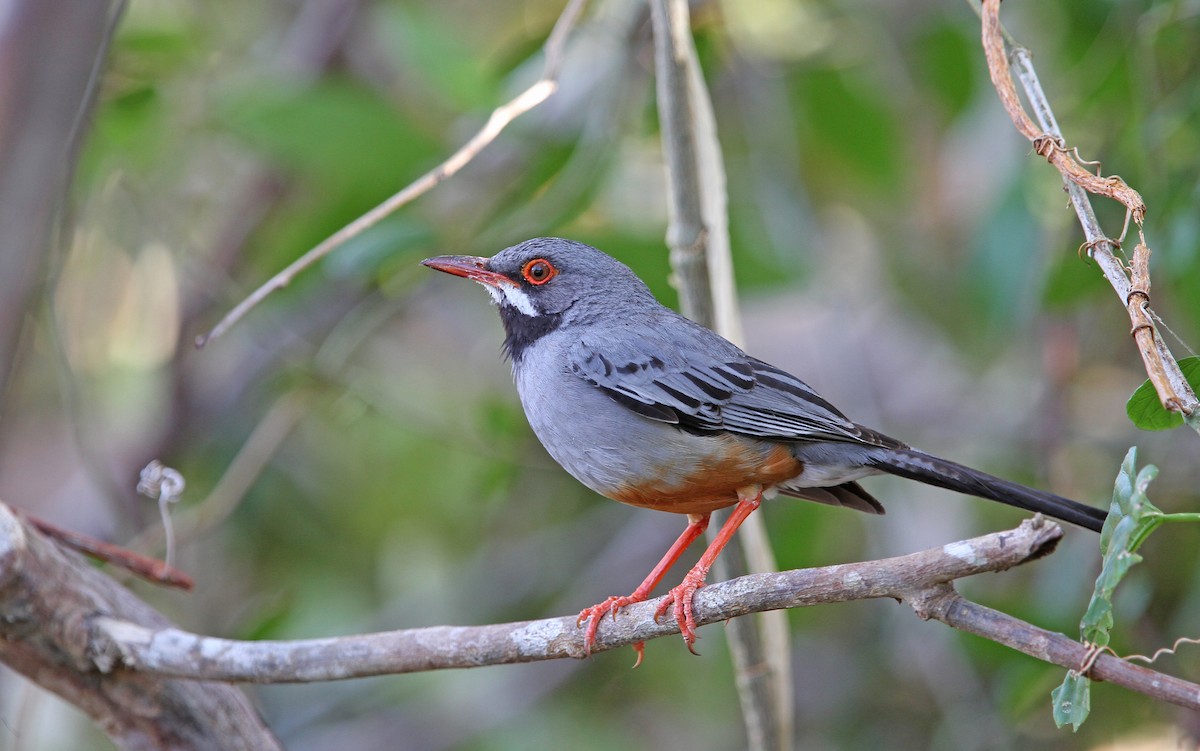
[
  {"x": 49, "y": 597},
  {"x": 170, "y": 651},
  {"x": 77, "y": 632},
  {"x": 920, "y": 579},
  {"x": 501, "y": 117}
]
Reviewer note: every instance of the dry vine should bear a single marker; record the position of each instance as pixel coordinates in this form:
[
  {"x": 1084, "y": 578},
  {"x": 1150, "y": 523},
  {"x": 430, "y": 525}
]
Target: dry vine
[{"x": 1132, "y": 284}]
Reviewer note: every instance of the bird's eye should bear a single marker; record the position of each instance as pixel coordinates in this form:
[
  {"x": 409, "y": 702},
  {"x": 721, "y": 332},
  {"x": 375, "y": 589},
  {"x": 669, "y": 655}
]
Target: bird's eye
[{"x": 538, "y": 271}]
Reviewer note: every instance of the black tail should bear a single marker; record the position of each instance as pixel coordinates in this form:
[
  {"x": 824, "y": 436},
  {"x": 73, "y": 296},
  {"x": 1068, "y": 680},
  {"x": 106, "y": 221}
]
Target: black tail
[{"x": 932, "y": 470}]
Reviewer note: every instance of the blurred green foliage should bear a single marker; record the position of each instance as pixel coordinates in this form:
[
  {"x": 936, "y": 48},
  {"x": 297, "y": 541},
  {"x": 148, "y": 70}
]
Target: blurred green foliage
[{"x": 895, "y": 243}]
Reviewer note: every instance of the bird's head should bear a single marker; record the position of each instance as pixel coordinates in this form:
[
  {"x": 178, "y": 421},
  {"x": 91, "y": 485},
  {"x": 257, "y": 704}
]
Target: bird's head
[{"x": 548, "y": 283}]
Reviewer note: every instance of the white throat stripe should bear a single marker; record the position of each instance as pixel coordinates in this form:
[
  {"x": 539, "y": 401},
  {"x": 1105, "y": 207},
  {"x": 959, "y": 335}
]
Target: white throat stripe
[{"x": 513, "y": 297}]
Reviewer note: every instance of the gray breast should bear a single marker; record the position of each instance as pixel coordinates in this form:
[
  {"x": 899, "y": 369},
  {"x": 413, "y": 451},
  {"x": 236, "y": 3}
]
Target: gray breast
[{"x": 601, "y": 443}]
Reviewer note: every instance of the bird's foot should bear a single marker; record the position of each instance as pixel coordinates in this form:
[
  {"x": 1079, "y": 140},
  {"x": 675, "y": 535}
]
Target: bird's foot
[
  {"x": 596, "y": 613},
  {"x": 679, "y": 601}
]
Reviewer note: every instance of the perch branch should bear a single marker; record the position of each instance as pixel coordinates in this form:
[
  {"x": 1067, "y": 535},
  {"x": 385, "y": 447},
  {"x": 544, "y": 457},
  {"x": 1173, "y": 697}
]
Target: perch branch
[
  {"x": 921, "y": 579},
  {"x": 77, "y": 632},
  {"x": 500, "y": 118},
  {"x": 1161, "y": 367},
  {"x": 177, "y": 653}
]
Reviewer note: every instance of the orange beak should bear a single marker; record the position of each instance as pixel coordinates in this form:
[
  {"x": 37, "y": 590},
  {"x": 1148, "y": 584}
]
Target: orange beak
[{"x": 469, "y": 267}]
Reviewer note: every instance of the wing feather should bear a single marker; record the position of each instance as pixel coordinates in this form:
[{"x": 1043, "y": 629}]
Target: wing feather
[{"x": 719, "y": 389}]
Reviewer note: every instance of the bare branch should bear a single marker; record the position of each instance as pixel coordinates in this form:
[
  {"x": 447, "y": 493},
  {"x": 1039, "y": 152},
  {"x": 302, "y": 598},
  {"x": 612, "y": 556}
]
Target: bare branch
[
  {"x": 921, "y": 579},
  {"x": 500, "y": 118},
  {"x": 170, "y": 651},
  {"x": 82, "y": 635},
  {"x": 949, "y": 607}
]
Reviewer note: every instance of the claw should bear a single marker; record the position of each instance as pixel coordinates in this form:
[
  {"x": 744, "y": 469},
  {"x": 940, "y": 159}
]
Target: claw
[
  {"x": 679, "y": 602},
  {"x": 596, "y": 613}
]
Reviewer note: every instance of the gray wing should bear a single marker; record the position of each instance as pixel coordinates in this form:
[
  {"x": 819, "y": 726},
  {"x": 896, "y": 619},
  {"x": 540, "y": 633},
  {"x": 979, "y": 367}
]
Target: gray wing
[{"x": 713, "y": 386}]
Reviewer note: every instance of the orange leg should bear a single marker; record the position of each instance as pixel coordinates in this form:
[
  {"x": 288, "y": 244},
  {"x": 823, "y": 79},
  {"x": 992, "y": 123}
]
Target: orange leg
[
  {"x": 749, "y": 499},
  {"x": 696, "y": 526}
]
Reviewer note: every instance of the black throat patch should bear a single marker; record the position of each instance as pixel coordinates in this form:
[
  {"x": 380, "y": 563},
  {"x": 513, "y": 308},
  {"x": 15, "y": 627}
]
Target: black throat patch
[{"x": 521, "y": 331}]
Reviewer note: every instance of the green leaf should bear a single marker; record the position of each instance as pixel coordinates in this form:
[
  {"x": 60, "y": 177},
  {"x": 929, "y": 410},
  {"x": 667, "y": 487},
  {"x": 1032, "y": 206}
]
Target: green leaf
[
  {"x": 1098, "y": 619},
  {"x": 1072, "y": 701},
  {"x": 1147, "y": 412},
  {"x": 1131, "y": 519}
]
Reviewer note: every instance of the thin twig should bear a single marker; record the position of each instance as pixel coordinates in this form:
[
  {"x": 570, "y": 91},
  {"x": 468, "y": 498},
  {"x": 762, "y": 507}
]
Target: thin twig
[
  {"x": 150, "y": 569},
  {"x": 943, "y": 604},
  {"x": 500, "y": 118},
  {"x": 1047, "y": 143}
]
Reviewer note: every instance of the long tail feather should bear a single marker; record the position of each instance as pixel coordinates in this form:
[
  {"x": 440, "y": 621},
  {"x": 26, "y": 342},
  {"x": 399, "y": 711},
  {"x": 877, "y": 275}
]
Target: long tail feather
[{"x": 932, "y": 470}]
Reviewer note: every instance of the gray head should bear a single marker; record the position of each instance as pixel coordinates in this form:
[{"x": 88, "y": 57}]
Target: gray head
[{"x": 548, "y": 283}]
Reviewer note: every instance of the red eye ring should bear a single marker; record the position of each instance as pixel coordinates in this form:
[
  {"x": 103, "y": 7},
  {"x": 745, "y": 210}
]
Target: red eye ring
[{"x": 538, "y": 271}]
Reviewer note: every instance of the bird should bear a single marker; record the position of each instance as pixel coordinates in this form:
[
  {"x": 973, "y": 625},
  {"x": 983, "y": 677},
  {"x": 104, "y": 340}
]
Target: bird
[{"x": 649, "y": 408}]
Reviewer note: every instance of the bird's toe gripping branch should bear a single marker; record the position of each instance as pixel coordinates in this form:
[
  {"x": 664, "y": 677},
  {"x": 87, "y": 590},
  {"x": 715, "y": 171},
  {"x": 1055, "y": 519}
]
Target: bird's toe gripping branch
[{"x": 680, "y": 599}]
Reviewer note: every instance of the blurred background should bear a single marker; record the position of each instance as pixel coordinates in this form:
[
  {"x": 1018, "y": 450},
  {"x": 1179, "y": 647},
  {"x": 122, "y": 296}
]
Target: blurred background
[{"x": 355, "y": 455}]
